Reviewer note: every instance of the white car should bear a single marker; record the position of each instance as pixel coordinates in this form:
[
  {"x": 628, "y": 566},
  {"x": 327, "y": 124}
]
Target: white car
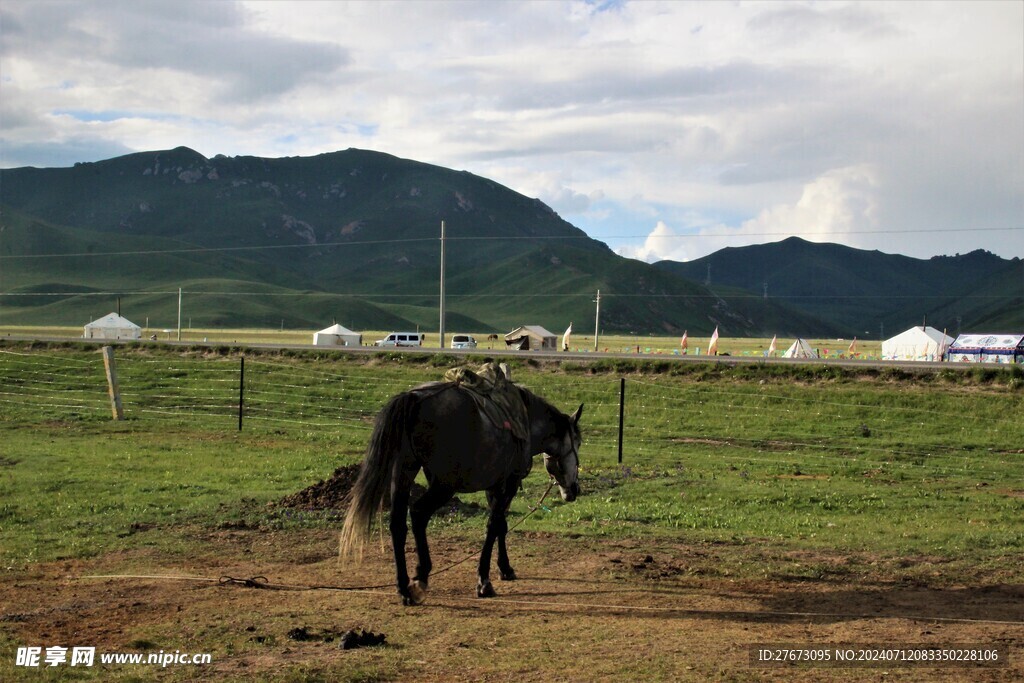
[{"x": 463, "y": 341}]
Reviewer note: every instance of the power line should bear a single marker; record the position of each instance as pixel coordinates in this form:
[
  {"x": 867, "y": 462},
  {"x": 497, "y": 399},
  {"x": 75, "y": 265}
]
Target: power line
[
  {"x": 500, "y": 295},
  {"x": 196, "y": 250},
  {"x": 477, "y": 238}
]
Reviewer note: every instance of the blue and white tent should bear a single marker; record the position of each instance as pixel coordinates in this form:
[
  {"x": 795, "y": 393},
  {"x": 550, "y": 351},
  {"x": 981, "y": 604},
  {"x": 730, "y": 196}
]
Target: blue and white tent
[{"x": 987, "y": 348}]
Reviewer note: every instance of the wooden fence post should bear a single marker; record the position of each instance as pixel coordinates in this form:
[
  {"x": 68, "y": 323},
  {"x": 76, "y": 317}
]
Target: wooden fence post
[{"x": 112, "y": 388}]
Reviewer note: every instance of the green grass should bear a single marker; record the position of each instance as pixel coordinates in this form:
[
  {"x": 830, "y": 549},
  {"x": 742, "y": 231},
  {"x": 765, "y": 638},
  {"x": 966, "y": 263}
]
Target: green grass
[{"x": 856, "y": 461}]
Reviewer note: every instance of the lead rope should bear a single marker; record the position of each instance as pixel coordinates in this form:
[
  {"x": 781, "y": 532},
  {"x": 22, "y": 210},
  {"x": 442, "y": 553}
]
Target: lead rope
[{"x": 533, "y": 508}]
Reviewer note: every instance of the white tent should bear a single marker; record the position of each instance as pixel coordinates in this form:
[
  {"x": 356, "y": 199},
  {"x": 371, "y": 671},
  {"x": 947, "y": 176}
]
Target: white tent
[
  {"x": 917, "y": 343},
  {"x": 112, "y": 326},
  {"x": 800, "y": 349},
  {"x": 336, "y": 335}
]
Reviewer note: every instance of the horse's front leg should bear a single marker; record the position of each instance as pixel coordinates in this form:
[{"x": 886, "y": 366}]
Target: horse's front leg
[
  {"x": 504, "y": 566},
  {"x": 497, "y": 528},
  {"x": 422, "y": 510}
]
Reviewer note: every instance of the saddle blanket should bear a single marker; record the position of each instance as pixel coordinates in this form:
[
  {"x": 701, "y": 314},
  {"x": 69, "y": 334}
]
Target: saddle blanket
[{"x": 495, "y": 395}]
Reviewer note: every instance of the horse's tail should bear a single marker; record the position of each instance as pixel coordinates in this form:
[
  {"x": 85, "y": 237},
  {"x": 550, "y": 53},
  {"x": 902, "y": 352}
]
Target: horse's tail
[{"x": 389, "y": 430}]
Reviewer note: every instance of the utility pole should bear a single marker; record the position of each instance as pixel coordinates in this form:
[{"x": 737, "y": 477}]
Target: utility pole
[
  {"x": 441, "y": 331},
  {"x": 179, "y": 313},
  {"x": 597, "y": 322}
]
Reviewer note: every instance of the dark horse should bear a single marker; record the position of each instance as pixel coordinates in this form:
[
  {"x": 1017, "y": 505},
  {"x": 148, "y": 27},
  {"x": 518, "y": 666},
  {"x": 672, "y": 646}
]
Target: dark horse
[{"x": 440, "y": 429}]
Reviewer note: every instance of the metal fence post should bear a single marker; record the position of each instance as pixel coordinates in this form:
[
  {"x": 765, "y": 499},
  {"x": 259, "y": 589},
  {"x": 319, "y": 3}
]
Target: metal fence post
[
  {"x": 622, "y": 409},
  {"x": 241, "y": 390}
]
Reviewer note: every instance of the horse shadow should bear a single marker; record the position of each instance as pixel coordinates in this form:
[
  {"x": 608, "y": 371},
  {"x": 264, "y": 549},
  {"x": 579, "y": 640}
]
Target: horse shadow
[{"x": 1003, "y": 603}]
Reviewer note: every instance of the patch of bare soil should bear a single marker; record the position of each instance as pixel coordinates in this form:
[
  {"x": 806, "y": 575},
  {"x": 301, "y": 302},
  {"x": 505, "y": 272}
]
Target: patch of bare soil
[
  {"x": 331, "y": 493},
  {"x": 582, "y": 609},
  {"x": 334, "y": 492}
]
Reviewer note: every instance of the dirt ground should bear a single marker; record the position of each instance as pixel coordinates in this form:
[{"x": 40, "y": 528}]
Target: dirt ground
[{"x": 583, "y": 609}]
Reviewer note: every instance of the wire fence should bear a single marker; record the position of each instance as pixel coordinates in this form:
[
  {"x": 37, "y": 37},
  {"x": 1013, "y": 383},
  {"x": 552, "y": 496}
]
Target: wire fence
[{"x": 668, "y": 420}]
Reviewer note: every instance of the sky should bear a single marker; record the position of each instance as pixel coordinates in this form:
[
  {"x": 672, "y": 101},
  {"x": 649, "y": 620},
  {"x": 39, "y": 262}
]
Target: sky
[{"x": 667, "y": 130}]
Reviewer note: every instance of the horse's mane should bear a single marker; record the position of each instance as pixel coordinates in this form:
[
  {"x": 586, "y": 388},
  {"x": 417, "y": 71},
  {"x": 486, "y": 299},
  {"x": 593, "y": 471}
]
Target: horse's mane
[{"x": 530, "y": 399}]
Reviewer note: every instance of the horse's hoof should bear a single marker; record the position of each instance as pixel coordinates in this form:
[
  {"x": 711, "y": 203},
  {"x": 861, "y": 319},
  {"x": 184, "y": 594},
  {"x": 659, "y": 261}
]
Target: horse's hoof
[
  {"x": 485, "y": 590},
  {"x": 510, "y": 575},
  {"x": 417, "y": 593}
]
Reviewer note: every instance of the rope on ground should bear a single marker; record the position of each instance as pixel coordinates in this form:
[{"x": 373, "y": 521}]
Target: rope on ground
[{"x": 262, "y": 583}]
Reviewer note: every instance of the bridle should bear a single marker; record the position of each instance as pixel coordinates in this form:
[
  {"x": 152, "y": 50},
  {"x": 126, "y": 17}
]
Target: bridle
[{"x": 574, "y": 450}]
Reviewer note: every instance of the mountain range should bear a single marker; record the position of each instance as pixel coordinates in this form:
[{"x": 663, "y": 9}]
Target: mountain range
[
  {"x": 354, "y": 237},
  {"x": 869, "y": 292}
]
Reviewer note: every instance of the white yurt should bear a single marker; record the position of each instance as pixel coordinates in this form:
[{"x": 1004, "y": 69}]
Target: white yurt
[
  {"x": 917, "y": 343},
  {"x": 112, "y": 326},
  {"x": 800, "y": 349},
  {"x": 336, "y": 335}
]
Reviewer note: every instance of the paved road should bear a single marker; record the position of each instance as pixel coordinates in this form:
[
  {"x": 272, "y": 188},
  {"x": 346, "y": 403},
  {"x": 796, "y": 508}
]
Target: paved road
[{"x": 539, "y": 355}]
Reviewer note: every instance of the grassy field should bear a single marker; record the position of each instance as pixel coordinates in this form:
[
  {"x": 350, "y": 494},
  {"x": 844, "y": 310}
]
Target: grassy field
[
  {"x": 774, "y": 474},
  {"x": 838, "y": 458}
]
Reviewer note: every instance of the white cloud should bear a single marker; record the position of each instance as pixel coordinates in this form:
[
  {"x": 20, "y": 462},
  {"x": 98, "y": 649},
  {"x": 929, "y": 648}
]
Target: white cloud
[
  {"x": 703, "y": 118},
  {"x": 661, "y": 244},
  {"x": 835, "y": 206},
  {"x": 840, "y": 206}
]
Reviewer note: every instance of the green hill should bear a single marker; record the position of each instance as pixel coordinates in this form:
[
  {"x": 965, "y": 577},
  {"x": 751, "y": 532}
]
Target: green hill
[
  {"x": 351, "y": 236},
  {"x": 354, "y": 236}
]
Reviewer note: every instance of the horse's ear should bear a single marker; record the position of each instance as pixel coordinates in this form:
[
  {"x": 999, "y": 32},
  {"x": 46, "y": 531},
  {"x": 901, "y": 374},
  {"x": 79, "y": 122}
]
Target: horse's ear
[{"x": 576, "y": 416}]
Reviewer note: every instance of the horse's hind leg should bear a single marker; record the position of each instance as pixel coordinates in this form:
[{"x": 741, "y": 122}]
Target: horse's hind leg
[
  {"x": 435, "y": 496},
  {"x": 399, "y": 529}
]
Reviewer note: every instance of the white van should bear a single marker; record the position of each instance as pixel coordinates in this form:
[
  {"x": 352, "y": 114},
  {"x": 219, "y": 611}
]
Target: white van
[
  {"x": 401, "y": 339},
  {"x": 463, "y": 341}
]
